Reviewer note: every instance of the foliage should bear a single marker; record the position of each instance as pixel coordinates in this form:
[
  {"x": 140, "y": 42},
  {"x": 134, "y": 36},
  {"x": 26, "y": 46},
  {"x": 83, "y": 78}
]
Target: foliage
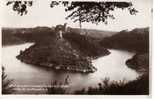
[
  {"x": 86, "y": 44},
  {"x": 57, "y": 87},
  {"x": 94, "y": 12},
  {"x": 20, "y": 6},
  {"x": 140, "y": 86},
  {"x": 6, "y": 84}
]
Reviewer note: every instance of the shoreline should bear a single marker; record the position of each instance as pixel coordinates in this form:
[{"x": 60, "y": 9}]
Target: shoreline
[
  {"x": 71, "y": 68},
  {"x": 139, "y": 62}
]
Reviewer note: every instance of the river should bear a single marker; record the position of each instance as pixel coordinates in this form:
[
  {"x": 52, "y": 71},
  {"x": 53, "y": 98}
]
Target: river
[{"x": 112, "y": 66}]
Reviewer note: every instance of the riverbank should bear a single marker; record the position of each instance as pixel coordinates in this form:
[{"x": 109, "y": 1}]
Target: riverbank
[
  {"x": 139, "y": 62},
  {"x": 72, "y": 68}
]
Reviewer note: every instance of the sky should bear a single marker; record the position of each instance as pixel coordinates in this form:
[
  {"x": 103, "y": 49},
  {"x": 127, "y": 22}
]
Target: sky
[{"x": 40, "y": 14}]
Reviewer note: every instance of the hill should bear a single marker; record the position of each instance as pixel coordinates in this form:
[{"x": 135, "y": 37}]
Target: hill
[
  {"x": 15, "y": 35},
  {"x": 98, "y": 34},
  {"x": 72, "y": 53},
  {"x": 135, "y": 40},
  {"x": 26, "y": 34},
  {"x": 8, "y": 38}
]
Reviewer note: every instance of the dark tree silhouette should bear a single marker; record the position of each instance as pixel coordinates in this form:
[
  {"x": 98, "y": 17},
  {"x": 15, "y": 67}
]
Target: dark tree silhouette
[
  {"x": 20, "y": 6},
  {"x": 6, "y": 88},
  {"x": 57, "y": 87},
  {"x": 140, "y": 86},
  {"x": 94, "y": 12}
]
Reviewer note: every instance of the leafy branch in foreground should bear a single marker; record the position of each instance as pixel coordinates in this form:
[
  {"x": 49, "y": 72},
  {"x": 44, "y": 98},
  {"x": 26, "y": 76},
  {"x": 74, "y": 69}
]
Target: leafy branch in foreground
[
  {"x": 6, "y": 83},
  {"x": 94, "y": 12},
  {"x": 20, "y": 6}
]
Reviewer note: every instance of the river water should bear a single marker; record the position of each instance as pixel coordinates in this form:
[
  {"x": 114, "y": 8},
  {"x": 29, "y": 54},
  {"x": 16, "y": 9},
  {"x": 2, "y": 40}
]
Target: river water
[{"x": 112, "y": 66}]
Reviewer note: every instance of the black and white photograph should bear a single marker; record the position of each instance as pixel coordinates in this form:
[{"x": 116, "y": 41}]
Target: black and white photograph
[{"x": 76, "y": 47}]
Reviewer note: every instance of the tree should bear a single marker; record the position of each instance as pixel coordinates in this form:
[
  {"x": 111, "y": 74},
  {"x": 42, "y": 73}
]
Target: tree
[
  {"x": 57, "y": 87},
  {"x": 6, "y": 88},
  {"x": 20, "y": 6},
  {"x": 94, "y": 12}
]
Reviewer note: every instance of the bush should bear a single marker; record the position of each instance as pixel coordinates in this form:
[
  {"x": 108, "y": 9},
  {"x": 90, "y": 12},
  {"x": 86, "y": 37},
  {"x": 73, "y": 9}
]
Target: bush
[
  {"x": 140, "y": 86},
  {"x": 6, "y": 88},
  {"x": 58, "y": 87}
]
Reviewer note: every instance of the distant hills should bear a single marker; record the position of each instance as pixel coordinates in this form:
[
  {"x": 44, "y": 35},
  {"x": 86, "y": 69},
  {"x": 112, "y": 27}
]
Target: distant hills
[
  {"x": 24, "y": 34},
  {"x": 35, "y": 34},
  {"x": 99, "y": 34},
  {"x": 8, "y": 38},
  {"x": 134, "y": 40}
]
